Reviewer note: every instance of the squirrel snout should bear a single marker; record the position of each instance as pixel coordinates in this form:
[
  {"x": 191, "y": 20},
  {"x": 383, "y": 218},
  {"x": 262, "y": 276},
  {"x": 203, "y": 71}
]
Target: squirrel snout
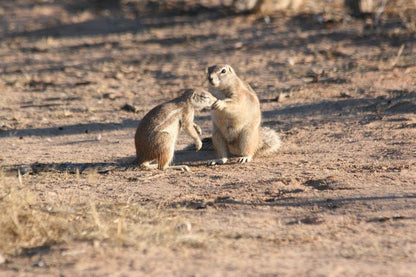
[{"x": 212, "y": 80}]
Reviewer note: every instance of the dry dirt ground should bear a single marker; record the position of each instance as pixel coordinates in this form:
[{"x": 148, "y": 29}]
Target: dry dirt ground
[{"x": 338, "y": 199}]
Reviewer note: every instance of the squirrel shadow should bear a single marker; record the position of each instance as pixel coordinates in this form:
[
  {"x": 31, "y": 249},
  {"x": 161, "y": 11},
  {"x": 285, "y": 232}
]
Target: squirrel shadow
[
  {"x": 186, "y": 156},
  {"x": 190, "y": 156}
]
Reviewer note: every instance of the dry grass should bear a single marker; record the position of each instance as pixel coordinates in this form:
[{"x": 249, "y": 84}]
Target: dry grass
[
  {"x": 340, "y": 193},
  {"x": 27, "y": 221}
]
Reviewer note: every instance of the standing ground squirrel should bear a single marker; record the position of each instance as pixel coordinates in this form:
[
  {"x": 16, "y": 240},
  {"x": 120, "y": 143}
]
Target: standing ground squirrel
[
  {"x": 158, "y": 130},
  {"x": 236, "y": 118}
]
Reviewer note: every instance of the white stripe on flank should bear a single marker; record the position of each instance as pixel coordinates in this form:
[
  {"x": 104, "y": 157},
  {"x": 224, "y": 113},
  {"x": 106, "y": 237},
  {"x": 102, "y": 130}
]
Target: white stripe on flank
[{"x": 168, "y": 117}]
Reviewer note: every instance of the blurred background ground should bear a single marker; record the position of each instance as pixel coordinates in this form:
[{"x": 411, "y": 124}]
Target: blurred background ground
[{"x": 338, "y": 199}]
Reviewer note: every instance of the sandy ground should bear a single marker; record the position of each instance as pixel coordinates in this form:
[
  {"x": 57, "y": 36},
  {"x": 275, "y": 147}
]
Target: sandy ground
[{"x": 338, "y": 199}]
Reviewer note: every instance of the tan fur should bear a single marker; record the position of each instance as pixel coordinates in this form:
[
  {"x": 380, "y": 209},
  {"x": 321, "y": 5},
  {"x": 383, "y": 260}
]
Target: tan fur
[
  {"x": 158, "y": 130},
  {"x": 236, "y": 118}
]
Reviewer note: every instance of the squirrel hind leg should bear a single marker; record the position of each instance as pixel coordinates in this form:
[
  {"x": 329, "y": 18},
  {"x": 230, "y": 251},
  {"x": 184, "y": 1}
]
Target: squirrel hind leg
[
  {"x": 221, "y": 148},
  {"x": 245, "y": 159},
  {"x": 248, "y": 144},
  {"x": 147, "y": 165},
  {"x": 165, "y": 160},
  {"x": 165, "y": 150},
  {"x": 180, "y": 167}
]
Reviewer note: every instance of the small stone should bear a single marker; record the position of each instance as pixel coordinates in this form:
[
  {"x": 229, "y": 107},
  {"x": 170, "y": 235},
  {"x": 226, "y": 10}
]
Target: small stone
[
  {"x": 129, "y": 108},
  {"x": 39, "y": 264},
  {"x": 2, "y": 259},
  {"x": 282, "y": 97},
  {"x": 185, "y": 227},
  {"x": 238, "y": 45},
  {"x": 25, "y": 169},
  {"x": 110, "y": 96},
  {"x": 291, "y": 61},
  {"x": 344, "y": 95}
]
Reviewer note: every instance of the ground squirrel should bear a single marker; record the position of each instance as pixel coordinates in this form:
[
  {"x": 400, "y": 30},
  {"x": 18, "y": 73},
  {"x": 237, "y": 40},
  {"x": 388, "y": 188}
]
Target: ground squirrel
[
  {"x": 236, "y": 118},
  {"x": 158, "y": 130}
]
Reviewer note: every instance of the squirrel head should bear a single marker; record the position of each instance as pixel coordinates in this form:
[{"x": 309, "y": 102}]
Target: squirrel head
[
  {"x": 221, "y": 76},
  {"x": 200, "y": 98}
]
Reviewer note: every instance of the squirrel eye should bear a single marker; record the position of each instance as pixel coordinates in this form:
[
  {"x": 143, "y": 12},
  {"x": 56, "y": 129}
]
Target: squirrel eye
[{"x": 223, "y": 71}]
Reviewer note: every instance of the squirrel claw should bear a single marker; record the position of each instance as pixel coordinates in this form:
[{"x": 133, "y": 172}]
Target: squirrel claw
[
  {"x": 219, "y": 105},
  {"x": 244, "y": 159}
]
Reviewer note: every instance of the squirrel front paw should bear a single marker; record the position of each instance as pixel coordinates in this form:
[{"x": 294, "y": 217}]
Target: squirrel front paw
[
  {"x": 198, "y": 129},
  {"x": 198, "y": 145},
  {"x": 219, "y": 105}
]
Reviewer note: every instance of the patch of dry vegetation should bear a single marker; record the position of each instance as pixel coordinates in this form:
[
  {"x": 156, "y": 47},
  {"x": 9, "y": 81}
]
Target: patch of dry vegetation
[{"x": 28, "y": 222}]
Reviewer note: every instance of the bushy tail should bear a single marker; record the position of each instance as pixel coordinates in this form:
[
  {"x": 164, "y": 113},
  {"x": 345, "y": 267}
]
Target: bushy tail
[{"x": 270, "y": 142}]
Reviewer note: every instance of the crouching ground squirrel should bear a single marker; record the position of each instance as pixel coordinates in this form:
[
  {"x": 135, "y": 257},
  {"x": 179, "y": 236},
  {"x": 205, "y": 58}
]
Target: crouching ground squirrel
[
  {"x": 236, "y": 118},
  {"x": 158, "y": 130}
]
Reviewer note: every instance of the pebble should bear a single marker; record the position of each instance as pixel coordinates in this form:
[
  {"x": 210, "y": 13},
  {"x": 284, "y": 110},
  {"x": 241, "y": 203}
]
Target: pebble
[{"x": 2, "y": 259}]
